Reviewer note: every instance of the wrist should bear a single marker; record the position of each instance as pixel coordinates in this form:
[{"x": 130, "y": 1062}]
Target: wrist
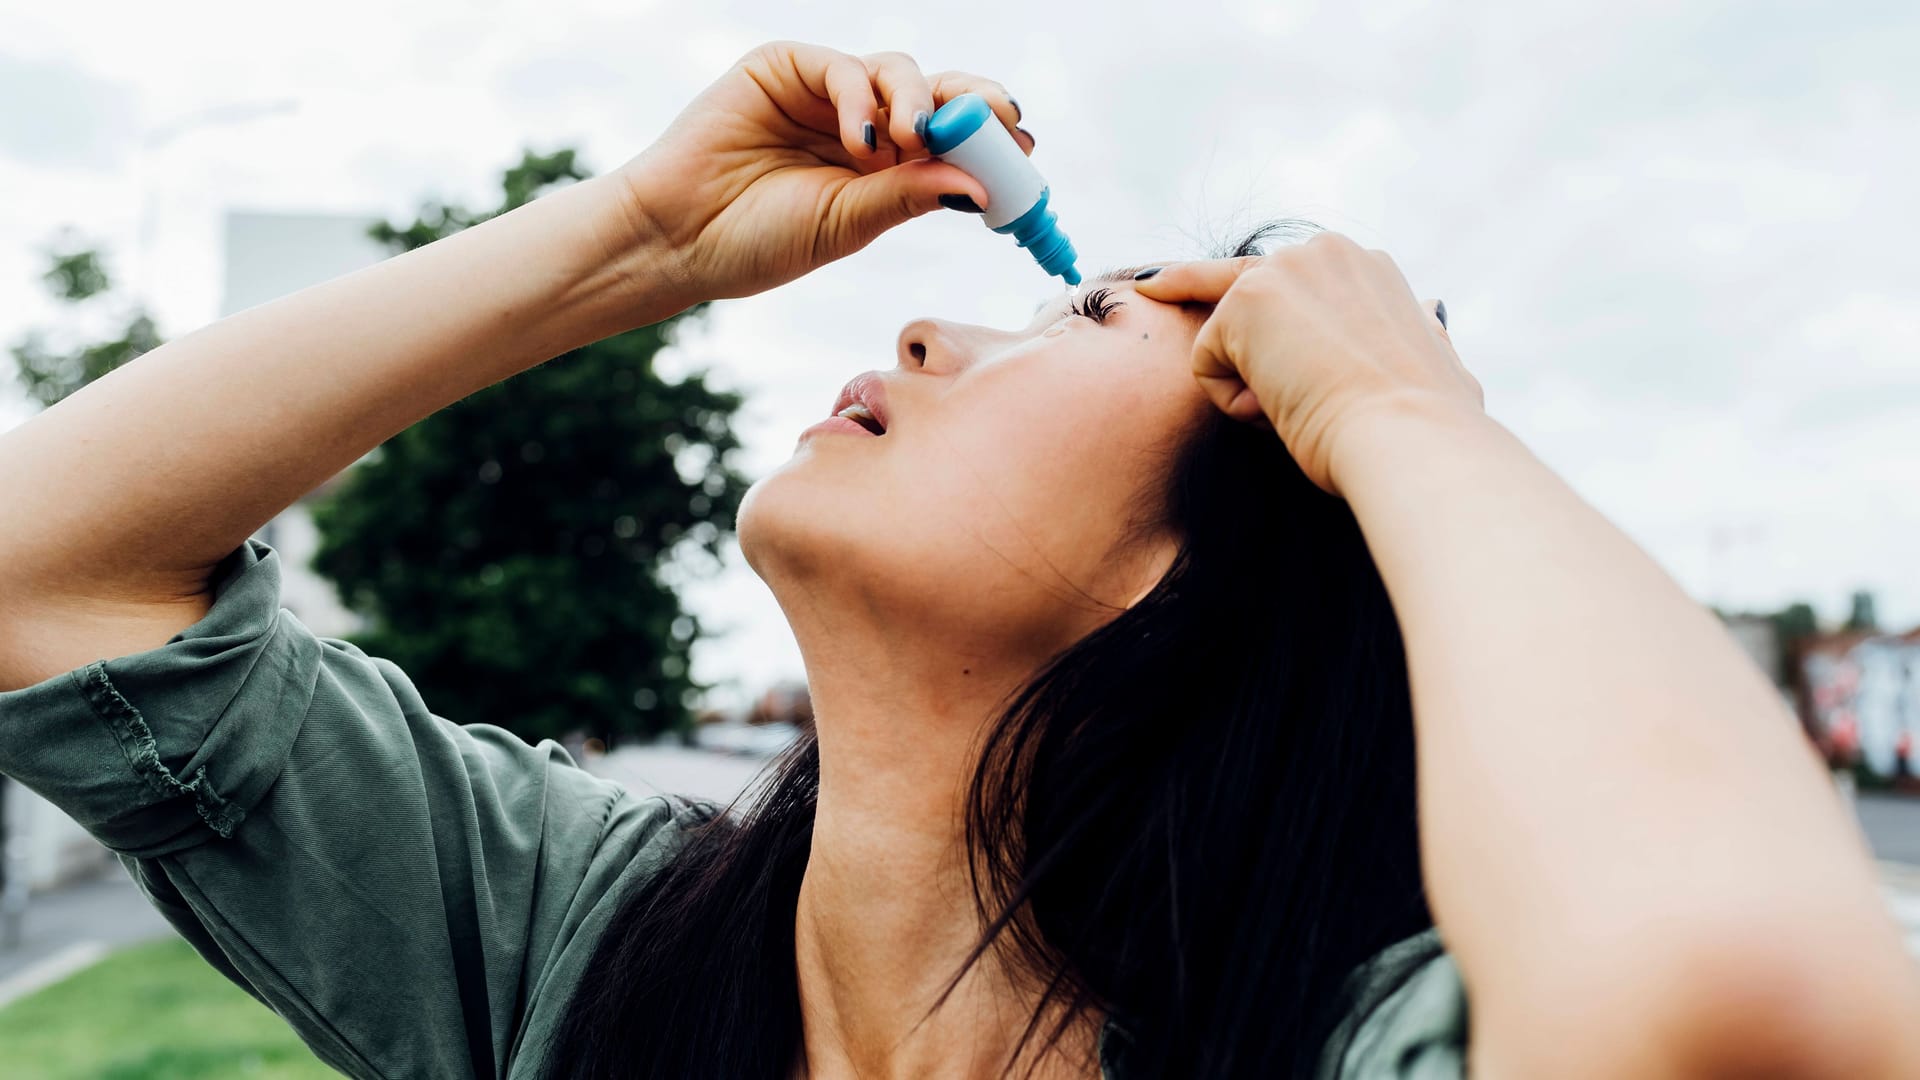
[
  {"x": 648, "y": 231},
  {"x": 1400, "y": 430},
  {"x": 623, "y": 272}
]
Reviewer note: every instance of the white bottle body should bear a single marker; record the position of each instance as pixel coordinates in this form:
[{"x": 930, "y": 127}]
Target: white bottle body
[{"x": 990, "y": 156}]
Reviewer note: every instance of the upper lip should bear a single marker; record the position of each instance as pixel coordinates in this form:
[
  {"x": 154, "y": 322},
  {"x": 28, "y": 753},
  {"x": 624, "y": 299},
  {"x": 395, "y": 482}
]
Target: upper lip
[{"x": 865, "y": 389}]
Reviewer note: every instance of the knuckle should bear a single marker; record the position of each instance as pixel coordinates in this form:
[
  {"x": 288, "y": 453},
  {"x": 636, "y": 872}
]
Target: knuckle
[
  {"x": 1263, "y": 279},
  {"x": 1329, "y": 241},
  {"x": 892, "y": 58}
]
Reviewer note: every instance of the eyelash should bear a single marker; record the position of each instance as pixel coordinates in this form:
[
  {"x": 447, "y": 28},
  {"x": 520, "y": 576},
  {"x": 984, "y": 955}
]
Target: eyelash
[{"x": 1095, "y": 305}]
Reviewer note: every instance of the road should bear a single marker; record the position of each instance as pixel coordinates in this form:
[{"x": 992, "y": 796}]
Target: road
[{"x": 1892, "y": 824}]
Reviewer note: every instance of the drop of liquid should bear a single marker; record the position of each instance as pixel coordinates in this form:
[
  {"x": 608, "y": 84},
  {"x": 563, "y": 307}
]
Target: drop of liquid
[{"x": 1073, "y": 291}]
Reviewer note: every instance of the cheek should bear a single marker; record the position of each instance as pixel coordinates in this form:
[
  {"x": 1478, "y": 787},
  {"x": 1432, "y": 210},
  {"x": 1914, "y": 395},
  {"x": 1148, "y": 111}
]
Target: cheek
[
  {"x": 1002, "y": 503},
  {"x": 1059, "y": 475}
]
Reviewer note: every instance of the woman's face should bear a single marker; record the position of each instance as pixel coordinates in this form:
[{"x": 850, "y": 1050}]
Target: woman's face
[{"x": 1017, "y": 486}]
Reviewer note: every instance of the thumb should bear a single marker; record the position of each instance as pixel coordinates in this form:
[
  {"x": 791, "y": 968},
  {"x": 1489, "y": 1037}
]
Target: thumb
[{"x": 871, "y": 204}]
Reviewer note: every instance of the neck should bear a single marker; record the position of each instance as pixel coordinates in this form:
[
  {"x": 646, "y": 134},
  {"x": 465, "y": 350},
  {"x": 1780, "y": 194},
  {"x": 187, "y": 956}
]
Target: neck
[{"x": 886, "y": 914}]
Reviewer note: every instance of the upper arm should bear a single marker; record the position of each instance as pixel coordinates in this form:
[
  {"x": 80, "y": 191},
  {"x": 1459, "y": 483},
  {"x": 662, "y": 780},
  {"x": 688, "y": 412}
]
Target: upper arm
[
  {"x": 43, "y": 638},
  {"x": 395, "y": 885}
]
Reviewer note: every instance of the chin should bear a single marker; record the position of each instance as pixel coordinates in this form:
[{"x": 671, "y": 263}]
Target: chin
[{"x": 794, "y": 526}]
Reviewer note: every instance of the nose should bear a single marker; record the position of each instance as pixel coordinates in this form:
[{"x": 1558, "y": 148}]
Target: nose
[
  {"x": 920, "y": 339},
  {"x": 939, "y": 347}
]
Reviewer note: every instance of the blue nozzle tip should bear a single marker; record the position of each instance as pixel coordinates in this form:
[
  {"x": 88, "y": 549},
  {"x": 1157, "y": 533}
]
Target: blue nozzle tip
[{"x": 1072, "y": 274}]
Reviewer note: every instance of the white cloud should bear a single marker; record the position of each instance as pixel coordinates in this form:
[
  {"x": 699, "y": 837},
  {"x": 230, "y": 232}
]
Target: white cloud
[{"x": 1675, "y": 240}]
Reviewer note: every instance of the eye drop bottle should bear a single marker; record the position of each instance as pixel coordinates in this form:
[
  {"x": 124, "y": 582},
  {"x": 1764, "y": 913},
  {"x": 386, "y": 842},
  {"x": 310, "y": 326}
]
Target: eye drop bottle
[{"x": 965, "y": 132}]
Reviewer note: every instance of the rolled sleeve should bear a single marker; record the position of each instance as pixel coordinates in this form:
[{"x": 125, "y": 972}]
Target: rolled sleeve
[
  {"x": 219, "y": 707},
  {"x": 1408, "y": 1018},
  {"x": 402, "y": 889}
]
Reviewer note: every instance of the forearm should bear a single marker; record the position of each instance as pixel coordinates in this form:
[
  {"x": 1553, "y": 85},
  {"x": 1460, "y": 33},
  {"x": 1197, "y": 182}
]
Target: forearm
[
  {"x": 142, "y": 481},
  {"x": 1605, "y": 780}
]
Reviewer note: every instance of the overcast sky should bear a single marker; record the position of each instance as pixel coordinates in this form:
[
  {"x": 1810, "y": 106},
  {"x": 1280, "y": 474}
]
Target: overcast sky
[{"x": 1676, "y": 241}]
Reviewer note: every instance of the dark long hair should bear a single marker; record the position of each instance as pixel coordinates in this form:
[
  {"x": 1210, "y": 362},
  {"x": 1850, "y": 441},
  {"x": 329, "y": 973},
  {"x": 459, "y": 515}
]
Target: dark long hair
[{"x": 1194, "y": 823}]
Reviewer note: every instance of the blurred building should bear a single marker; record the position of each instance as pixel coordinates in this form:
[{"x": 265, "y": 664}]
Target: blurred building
[
  {"x": 1759, "y": 637},
  {"x": 1859, "y": 695},
  {"x": 266, "y": 256},
  {"x": 785, "y": 702}
]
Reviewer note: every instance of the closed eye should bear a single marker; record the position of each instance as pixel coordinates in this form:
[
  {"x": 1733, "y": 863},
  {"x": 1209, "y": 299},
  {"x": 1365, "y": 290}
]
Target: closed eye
[{"x": 1096, "y": 305}]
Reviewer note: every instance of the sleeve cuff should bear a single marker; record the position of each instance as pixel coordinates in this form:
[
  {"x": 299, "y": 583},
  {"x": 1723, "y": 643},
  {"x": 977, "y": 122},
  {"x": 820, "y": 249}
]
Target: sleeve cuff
[{"x": 164, "y": 749}]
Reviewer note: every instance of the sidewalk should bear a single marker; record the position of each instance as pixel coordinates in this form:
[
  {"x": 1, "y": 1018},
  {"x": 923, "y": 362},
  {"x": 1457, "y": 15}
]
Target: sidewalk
[{"x": 68, "y": 928}]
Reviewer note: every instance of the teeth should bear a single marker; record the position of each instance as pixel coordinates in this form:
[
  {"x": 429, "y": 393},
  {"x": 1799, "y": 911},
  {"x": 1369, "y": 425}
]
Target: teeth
[{"x": 863, "y": 416}]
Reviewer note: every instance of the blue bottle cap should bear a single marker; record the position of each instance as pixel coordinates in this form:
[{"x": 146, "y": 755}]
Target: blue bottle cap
[{"x": 953, "y": 122}]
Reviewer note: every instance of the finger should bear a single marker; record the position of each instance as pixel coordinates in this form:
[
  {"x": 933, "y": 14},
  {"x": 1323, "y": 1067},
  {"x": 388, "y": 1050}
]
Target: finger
[
  {"x": 1202, "y": 282},
  {"x": 871, "y": 204},
  {"x": 948, "y": 85},
  {"x": 907, "y": 94},
  {"x": 1232, "y": 397},
  {"x": 850, "y": 89},
  {"x": 1211, "y": 361},
  {"x": 1439, "y": 309}
]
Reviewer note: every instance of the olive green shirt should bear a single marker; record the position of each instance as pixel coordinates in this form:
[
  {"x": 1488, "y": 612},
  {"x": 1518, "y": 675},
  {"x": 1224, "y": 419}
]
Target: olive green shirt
[{"x": 416, "y": 897}]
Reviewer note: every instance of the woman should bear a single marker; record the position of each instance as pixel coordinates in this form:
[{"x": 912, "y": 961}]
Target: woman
[{"x": 1114, "y": 765}]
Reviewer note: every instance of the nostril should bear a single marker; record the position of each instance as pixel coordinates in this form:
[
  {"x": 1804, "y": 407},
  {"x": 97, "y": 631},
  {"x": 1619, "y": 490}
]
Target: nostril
[{"x": 919, "y": 352}]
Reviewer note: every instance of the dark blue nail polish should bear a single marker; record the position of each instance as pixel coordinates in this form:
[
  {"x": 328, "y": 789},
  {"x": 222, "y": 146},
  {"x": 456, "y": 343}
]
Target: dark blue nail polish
[
  {"x": 961, "y": 202},
  {"x": 867, "y": 136},
  {"x": 1017, "y": 114},
  {"x": 1440, "y": 312},
  {"x": 1148, "y": 272},
  {"x": 920, "y": 120}
]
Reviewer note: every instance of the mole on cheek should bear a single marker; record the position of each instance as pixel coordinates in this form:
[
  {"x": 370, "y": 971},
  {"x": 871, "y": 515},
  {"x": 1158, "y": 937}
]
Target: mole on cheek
[{"x": 1143, "y": 337}]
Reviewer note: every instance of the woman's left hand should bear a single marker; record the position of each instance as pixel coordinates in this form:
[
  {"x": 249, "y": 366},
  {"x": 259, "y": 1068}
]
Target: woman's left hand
[
  {"x": 768, "y": 174},
  {"x": 1322, "y": 339}
]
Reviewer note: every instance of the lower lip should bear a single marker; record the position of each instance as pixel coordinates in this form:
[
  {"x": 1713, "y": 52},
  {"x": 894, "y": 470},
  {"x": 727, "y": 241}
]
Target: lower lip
[{"x": 840, "y": 425}]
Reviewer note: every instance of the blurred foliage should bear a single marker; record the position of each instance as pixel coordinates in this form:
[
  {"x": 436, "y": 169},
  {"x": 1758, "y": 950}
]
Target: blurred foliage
[
  {"x": 508, "y": 550},
  {"x": 78, "y": 275}
]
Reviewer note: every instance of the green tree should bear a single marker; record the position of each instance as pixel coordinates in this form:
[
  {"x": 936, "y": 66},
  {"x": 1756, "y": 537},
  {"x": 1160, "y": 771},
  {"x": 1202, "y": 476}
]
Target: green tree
[
  {"x": 77, "y": 275},
  {"x": 511, "y": 551}
]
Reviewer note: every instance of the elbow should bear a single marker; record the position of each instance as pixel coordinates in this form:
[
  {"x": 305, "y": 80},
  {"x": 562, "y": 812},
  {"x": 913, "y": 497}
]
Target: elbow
[
  {"x": 1725, "y": 1003},
  {"x": 1794, "y": 1004}
]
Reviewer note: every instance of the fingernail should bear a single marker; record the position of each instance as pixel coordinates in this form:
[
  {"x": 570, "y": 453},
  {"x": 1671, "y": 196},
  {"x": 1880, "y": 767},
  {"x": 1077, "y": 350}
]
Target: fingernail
[
  {"x": 867, "y": 136},
  {"x": 961, "y": 202},
  {"x": 920, "y": 125},
  {"x": 1017, "y": 114},
  {"x": 1027, "y": 133},
  {"x": 1440, "y": 312},
  {"x": 1148, "y": 272}
]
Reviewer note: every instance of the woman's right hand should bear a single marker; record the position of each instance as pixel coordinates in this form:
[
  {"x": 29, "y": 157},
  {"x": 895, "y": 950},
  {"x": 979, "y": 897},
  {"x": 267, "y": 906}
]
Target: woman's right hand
[
  {"x": 767, "y": 175},
  {"x": 1321, "y": 339}
]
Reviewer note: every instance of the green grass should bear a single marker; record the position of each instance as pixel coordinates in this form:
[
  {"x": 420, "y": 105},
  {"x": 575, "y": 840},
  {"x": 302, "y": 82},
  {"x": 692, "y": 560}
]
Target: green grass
[{"x": 150, "y": 1012}]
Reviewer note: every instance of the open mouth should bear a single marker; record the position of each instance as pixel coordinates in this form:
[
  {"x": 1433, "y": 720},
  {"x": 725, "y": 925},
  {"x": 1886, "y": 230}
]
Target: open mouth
[{"x": 863, "y": 416}]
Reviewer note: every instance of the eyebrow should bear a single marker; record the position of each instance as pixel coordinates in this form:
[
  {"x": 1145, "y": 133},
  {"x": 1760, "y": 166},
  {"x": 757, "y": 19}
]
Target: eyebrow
[{"x": 1114, "y": 276}]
